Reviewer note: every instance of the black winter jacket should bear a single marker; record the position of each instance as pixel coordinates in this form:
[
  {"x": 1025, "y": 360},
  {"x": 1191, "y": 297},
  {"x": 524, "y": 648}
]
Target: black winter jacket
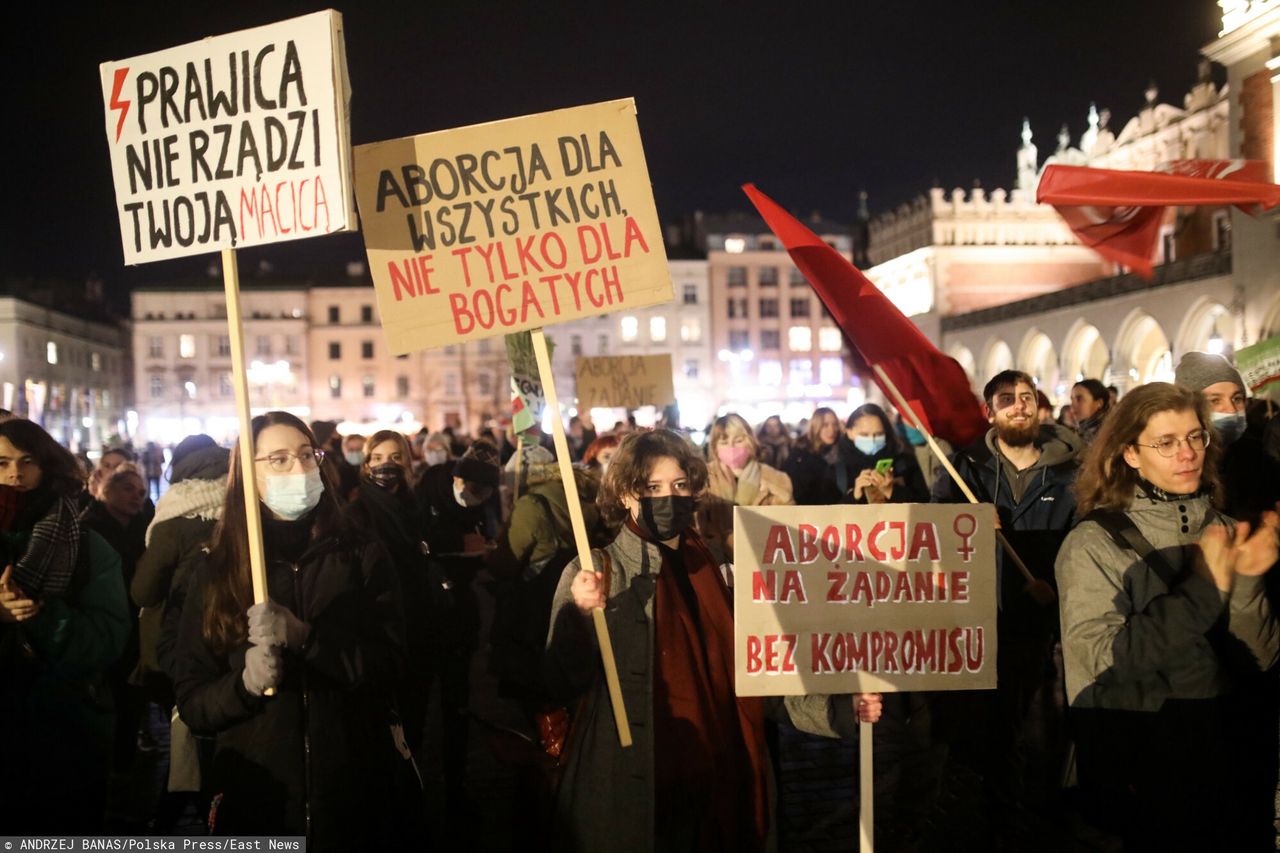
[
  {"x": 318, "y": 758},
  {"x": 908, "y": 488}
]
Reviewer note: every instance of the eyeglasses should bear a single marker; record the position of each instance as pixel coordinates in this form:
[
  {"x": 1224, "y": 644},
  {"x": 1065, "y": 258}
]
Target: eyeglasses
[
  {"x": 282, "y": 460},
  {"x": 1168, "y": 446}
]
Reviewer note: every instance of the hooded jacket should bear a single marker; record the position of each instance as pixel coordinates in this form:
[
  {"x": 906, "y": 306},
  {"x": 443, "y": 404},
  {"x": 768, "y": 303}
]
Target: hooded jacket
[{"x": 1035, "y": 513}]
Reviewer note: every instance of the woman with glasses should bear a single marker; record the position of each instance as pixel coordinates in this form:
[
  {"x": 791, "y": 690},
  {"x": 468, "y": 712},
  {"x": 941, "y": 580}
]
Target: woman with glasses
[
  {"x": 1163, "y": 611},
  {"x": 295, "y": 690}
]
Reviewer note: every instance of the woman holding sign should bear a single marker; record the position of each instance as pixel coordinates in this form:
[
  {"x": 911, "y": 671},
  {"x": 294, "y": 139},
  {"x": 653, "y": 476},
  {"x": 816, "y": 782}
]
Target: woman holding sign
[
  {"x": 696, "y": 776},
  {"x": 296, "y": 690},
  {"x": 1164, "y": 622}
]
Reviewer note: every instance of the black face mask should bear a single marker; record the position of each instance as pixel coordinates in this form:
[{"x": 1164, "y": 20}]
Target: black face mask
[
  {"x": 387, "y": 476},
  {"x": 666, "y": 517}
]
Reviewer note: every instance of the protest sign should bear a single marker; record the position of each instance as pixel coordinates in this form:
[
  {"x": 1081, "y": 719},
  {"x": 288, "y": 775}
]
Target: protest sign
[
  {"x": 233, "y": 141},
  {"x": 516, "y": 224},
  {"x": 630, "y": 381},
  {"x": 1259, "y": 367},
  {"x": 876, "y": 598}
]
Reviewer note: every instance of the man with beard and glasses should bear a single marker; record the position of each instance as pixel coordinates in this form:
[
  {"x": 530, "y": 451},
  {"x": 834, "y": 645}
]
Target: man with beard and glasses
[{"x": 1027, "y": 470}]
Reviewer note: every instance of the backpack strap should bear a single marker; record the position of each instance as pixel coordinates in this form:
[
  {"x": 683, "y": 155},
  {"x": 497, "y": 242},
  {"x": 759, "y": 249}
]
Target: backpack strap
[{"x": 1126, "y": 534}]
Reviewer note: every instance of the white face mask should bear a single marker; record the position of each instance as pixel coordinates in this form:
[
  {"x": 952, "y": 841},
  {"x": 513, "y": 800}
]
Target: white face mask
[
  {"x": 436, "y": 457},
  {"x": 291, "y": 496},
  {"x": 465, "y": 498},
  {"x": 354, "y": 457}
]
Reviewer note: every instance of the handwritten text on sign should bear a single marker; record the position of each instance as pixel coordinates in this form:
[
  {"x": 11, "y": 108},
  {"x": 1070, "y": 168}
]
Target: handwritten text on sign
[
  {"x": 625, "y": 380},
  {"x": 233, "y": 141},
  {"x": 511, "y": 225},
  {"x": 842, "y": 599}
]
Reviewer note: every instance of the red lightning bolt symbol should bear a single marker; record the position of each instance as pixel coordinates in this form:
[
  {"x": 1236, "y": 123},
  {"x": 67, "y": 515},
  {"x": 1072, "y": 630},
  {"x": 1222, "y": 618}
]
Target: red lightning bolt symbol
[{"x": 116, "y": 103}]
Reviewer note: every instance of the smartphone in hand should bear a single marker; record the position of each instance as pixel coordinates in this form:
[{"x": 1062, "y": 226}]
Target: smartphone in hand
[{"x": 884, "y": 466}]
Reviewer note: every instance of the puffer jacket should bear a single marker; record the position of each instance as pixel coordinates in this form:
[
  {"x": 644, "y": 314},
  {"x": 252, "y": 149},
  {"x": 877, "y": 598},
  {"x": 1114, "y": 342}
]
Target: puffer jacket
[
  {"x": 1129, "y": 642},
  {"x": 317, "y": 758}
]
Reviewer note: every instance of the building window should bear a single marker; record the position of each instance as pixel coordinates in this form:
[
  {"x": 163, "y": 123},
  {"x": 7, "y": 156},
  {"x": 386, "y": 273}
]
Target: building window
[
  {"x": 51, "y": 352},
  {"x": 155, "y": 347},
  {"x": 367, "y": 385},
  {"x": 157, "y": 387},
  {"x": 291, "y": 345},
  {"x": 691, "y": 330},
  {"x": 602, "y": 344},
  {"x": 366, "y": 313},
  {"x": 691, "y": 368},
  {"x": 225, "y": 386},
  {"x": 800, "y": 307},
  {"x": 797, "y": 277},
  {"x": 334, "y": 314},
  {"x": 657, "y": 329},
  {"x": 451, "y": 384},
  {"x": 335, "y": 351},
  {"x": 737, "y": 276},
  {"x": 734, "y": 245},
  {"x": 335, "y": 387},
  {"x": 768, "y": 276},
  {"x": 770, "y": 371},
  {"x": 831, "y": 371},
  {"x": 366, "y": 349},
  {"x": 739, "y": 339},
  {"x": 483, "y": 346},
  {"x": 264, "y": 345},
  {"x": 186, "y": 346},
  {"x": 630, "y": 328},
  {"x": 224, "y": 346},
  {"x": 765, "y": 244},
  {"x": 189, "y": 387},
  {"x": 738, "y": 308},
  {"x": 451, "y": 349},
  {"x": 770, "y": 339},
  {"x": 402, "y": 387},
  {"x": 484, "y": 384},
  {"x": 830, "y": 339},
  {"x": 95, "y": 362},
  {"x": 691, "y": 294},
  {"x": 768, "y": 308},
  {"x": 575, "y": 345},
  {"x": 1222, "y": 231},
  {"x": 801, "y": 371},
  {"x": 800, "y": 339}
]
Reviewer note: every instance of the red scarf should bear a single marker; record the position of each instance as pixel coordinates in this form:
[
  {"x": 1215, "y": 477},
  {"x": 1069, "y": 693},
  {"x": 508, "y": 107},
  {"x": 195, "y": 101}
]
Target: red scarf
[{"x": 710, "y": 754}]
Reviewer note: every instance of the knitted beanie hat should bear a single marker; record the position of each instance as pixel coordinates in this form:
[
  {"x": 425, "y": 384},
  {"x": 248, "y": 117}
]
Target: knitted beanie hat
[{"x": 1199, "y": 370}]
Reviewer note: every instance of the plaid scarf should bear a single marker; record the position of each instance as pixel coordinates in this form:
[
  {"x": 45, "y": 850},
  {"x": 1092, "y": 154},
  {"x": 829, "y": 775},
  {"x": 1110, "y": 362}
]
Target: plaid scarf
[{"x": 46, "y": 568}]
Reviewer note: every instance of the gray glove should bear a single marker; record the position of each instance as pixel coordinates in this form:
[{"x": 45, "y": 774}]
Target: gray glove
[
  {"x": 273, "y": 625},
  {"x": 262, "y": 669}
]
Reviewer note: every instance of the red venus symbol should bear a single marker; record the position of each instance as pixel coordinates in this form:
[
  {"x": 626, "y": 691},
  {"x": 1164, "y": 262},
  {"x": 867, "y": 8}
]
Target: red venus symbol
[{"x": 961, "y": 521}]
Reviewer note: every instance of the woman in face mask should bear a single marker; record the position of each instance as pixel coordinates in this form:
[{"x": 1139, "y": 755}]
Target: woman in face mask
[
  {"x": 436, "y": 450},
  {"x": 874, "y": 467},
  {"x": 697, "y": 777},
  {"x": 736, "y": 477},
  {"x": 297, "y": 691}
]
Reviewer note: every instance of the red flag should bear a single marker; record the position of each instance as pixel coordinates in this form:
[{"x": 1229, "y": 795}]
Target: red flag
[
  {"x": 1118, "y": 213},
  {"x": 935, "y": 385}
]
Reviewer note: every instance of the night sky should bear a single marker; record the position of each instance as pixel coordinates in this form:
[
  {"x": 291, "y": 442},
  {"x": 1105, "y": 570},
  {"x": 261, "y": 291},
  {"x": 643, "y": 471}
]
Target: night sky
[{"x": 811, "y": 102}]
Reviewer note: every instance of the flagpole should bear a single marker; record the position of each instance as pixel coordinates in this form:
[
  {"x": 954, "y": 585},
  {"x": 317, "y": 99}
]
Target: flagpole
[{"x": 1038, "y": 588}]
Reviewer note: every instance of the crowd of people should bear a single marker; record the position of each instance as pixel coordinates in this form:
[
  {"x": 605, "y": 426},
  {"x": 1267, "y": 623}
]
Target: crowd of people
[{"x": 1146, "y": 524}]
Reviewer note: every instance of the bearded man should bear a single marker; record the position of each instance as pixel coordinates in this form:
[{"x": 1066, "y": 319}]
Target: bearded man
[{"x": 1026, "y": 469}]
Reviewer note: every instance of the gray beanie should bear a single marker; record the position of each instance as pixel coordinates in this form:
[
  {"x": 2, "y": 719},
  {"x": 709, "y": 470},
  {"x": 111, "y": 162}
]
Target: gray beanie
[{"x": 1199, "y": 370}]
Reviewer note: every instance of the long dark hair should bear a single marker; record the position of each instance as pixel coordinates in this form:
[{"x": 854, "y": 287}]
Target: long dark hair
[
  {"x": 59, "y": 470},
  {"x": 891, "y": 442},
  {"x": 230, "y": 590}
]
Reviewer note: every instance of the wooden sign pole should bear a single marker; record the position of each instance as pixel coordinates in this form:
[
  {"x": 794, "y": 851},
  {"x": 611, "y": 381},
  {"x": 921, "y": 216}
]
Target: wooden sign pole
[
  {"x": 866, "y": 790},
  {"x": 580, "y": 532},
  {"x": 910, "y": 414},
  {"x": 253, "y": 515}
]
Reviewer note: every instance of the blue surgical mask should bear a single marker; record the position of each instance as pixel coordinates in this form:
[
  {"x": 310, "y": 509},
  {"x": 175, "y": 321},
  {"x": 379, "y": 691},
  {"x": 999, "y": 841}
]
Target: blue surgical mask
[
  {"x": 869, "y": 444},
  {"x": 354, "y": 457},
  {"x": 291, "y": 496},
  {"x": 1230, "y": 426}
]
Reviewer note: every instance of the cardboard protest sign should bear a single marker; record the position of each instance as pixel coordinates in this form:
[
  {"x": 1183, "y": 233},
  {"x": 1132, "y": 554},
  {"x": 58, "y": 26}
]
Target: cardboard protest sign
[
  {"x": 234, "y": 141},
  {"x": 528, "y": 400},
  {"x": 1259, "y": 367},
  {"x": 511, "y": 225},
  {"x": 630, "y": 381},
  {"x": 877, "y": 598}
]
